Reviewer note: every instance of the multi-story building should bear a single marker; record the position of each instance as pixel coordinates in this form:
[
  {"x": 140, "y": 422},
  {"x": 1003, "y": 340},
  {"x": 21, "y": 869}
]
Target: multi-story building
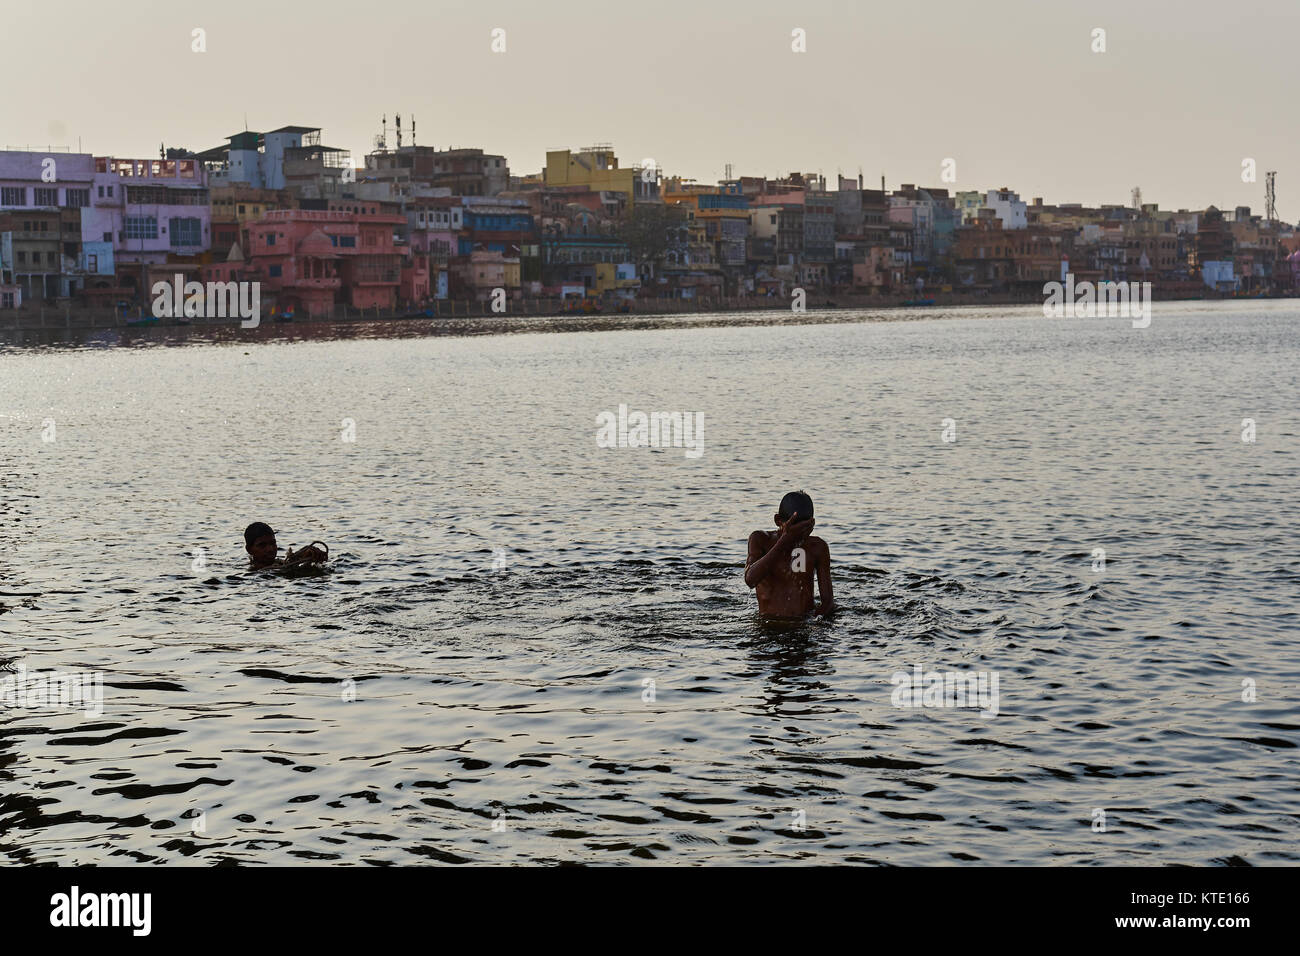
[
  {"x": 1214, "y": 240},
  {"x": 479, "y": 274},
  {"x": 902, "y": 239},
  {"x": 156, "y": 215},
  {"x": 1007, "y": 206},
  {"x": 862, "y": 236},
  {"x": 934, "y": 220},
  {"x": 1036, "y": 255},
  {"x": 875, "y": 217},
  {"x": 1151, "y": 246},
  {"x": 596, "y": 264},
  {"x": 433, "y": 229},
  {"x": 1101, "y": 253},
  {"x": 983, "y": 255},
  {"x": 917, "y": 215},
  {"x": 309, "y": 259},
  {"x": 463, "y": 172},
  {"x": 234, "y": 206},
  {"x": 720, "y": 217},
  {"x": 874, "y": 271},
  {"x": 45, "y": 194},
  {"x": 495, "y": 224},
  {"x": 290, "y": 157},
  {"x": 819, "y": 228},
  {"x": 848, "y": 207},
  {"x": 969, "y": 205},
  {"x": 11, "y": 294},
  {"x": 596, "y": 167},
  {"x": 790, "y": 234},
  {"x": 1257, "y": 255}
]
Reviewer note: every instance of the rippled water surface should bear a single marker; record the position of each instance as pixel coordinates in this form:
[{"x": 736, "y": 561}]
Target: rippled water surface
[{"x": 610, "y": 695}]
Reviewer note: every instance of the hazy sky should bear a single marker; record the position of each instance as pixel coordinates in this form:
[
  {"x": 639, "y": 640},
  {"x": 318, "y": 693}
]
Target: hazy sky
[{"x": 1010, "y": 89}]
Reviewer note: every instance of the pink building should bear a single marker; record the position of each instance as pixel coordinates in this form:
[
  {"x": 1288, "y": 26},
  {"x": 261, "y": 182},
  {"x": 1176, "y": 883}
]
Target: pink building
[
  {"x": 308, "y": 260},
  {"x": 434, "y": 225},
  {"x": 873, "y": 271},
  {"x": 416, "y": 278}
]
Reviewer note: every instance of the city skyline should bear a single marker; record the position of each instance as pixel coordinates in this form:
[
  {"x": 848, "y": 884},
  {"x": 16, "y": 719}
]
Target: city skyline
[{"x": 1175, "y": 104}]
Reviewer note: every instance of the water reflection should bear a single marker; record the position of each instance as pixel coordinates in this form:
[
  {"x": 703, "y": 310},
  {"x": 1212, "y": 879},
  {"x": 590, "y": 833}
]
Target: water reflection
[{"x": 793, "y": 658}]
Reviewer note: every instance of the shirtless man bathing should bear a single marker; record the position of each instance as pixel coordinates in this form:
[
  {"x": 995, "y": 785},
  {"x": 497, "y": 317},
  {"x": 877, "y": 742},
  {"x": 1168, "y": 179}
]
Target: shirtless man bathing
[{"x": 780, "y": 564}]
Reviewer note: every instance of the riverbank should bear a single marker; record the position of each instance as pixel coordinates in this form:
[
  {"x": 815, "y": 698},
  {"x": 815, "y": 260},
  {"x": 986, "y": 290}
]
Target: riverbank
[{"x": 51, "y": 318}]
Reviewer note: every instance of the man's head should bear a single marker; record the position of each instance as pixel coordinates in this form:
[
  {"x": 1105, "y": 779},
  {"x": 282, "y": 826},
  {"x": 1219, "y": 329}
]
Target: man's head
[
  {"x": 795, "y": 505},
  {"x": 259, "y": 542}
]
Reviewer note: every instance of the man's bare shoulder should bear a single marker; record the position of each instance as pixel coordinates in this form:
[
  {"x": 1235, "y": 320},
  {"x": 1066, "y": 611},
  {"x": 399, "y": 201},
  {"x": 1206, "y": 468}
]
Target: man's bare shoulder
[{"x": 816, "y": 545}]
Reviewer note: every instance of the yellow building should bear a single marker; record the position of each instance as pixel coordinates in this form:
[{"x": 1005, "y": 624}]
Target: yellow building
[
  {"x": 613, "y": 277},
  {"x": 596, "y": 167}
]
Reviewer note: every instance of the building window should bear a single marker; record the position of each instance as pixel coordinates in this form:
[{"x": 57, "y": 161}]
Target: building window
[
  {"x": 22, "y": 258},
  {"x": 101, "y": 191},
  {"x": 273, "y": 271},
  {"x": 241, "y": 210},
  {"x": 186, "y": 232},
  {"x": 108, "y": 237},
  {"x": 50, "y": 258},
  {"x": 46, "y": 197},
  {"x": 13, "y": 196},
  {"x": 348, "y": 242},
  {"x": 141, "y": 227},
  {"x": 110, "y": 192},
  {"x": 270, "y": 238},
  {"x": 92, "y": 262}
]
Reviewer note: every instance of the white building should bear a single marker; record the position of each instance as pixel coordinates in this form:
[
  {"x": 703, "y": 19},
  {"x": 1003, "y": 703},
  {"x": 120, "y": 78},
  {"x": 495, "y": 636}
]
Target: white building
[{"x": 1009, "y": 207}]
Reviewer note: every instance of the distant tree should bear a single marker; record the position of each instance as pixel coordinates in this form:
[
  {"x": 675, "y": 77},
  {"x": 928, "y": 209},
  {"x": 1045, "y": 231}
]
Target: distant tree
[{"x": 651, "y": 229}]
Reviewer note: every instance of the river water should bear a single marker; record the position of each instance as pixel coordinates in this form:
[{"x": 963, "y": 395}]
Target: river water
[{"x": 535, "y": 649}]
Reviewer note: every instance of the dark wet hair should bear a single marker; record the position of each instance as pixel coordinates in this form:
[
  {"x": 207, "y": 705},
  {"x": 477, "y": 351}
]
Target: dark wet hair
[
  {"x": 258, "y": 529},
  {"x": 796, "y": 502}
]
